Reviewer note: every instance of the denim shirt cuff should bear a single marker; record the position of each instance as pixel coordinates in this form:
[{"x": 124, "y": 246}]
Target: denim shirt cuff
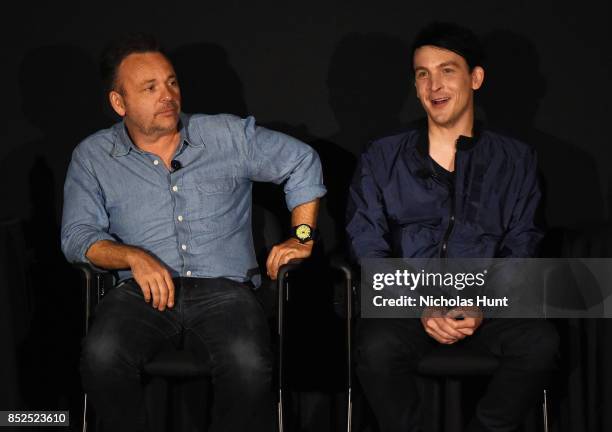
[
  {"x": 303, "y": 195},
  {"x": 88, "y": 241}
]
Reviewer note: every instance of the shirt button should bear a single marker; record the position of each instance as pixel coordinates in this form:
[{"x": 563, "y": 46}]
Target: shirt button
[
  {"x": 180, "y": 218},
  {"x": 184, "y": 247},
  {"x": 188, "y": 273},
  {"x": 155, "y": 162},
  {"x": 175, "y": 188}
]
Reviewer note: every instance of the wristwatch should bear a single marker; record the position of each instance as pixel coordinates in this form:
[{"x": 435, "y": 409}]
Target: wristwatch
[{"x": 304, "y": 233}]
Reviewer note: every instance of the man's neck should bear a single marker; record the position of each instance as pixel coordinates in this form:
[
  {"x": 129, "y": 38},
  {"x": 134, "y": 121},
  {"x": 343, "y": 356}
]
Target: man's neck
[
  {"x": 163, "y": 145},
  {"x": 443, "y": 141},
  {"x": 446, "y": 136}
]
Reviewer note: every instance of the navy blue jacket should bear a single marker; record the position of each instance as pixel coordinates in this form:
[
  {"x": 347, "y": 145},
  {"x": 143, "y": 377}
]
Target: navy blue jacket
[{"x": 399, "y": 205}]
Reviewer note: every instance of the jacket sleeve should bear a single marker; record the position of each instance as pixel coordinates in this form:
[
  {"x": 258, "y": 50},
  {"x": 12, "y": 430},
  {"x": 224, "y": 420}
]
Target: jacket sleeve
[
  {"x": 367, "y": 225},
  {"x": 523, "y": 235}
]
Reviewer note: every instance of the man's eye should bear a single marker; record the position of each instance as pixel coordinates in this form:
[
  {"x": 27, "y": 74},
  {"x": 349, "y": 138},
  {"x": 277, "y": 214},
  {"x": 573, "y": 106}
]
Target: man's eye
[
  {"x": 448, "y": 70},
  {"x": 150, "y": 88},
  {"x": 173, "y": 83},
  {"x": 421, "y": 74}
]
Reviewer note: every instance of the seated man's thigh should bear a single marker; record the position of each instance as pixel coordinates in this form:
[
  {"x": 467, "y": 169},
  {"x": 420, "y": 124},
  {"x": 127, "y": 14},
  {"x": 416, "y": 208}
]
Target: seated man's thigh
[
  {"x": 386, "y": 344},
  {"x": 127, "y": 331},
  {"x": 528, "y": 343},
  {"x": 229, "y": 324}
]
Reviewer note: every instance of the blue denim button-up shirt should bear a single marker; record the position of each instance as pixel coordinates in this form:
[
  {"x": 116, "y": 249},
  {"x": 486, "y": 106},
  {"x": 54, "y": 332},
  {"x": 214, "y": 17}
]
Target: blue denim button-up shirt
[{"x": 197, "y": 219}]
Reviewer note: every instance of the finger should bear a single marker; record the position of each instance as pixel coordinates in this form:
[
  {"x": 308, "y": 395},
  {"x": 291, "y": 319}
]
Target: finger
[
  {"x": 466, "y": 323},
  {"x": 163, "y": 292},
  {"x": 279, "y": 259},
  {"x": 466, "y": 331},
  {"x": 435, "y": 326},
  {"x": 280, "y": 256},
  {"x": 154, "y": 292},
  {"x": 286, "y": 257},
  {"x": 146, "y": 291},
  {"x": 437, "y": 337},
  {"x": 450, "y": 330},
  {"x": 448, "y": 326},
  {"x": 170, "y": 285},
  {"x": 270, "y": 261}
]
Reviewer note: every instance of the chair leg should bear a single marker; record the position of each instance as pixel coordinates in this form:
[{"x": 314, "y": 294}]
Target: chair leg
[
  {"x": 452, "y": 406},
  {"x": 545, "y": 411},
  {"x": 432, "y": 397},
  {"x": 280, "y": 410},
  {"x": 84, "y": 429},
  {"x": 349, "y": 411}
]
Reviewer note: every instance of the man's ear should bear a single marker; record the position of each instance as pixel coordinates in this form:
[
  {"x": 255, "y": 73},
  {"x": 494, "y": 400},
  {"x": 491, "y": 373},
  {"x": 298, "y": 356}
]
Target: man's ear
[
  {"x": 478, "y": 75},
  {"x": 117, "y": 102}
]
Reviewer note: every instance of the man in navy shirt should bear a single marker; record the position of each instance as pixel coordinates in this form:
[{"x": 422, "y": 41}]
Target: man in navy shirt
[
  {"x": 448, "y": 189},
  {"x": 165, "y": 199}
]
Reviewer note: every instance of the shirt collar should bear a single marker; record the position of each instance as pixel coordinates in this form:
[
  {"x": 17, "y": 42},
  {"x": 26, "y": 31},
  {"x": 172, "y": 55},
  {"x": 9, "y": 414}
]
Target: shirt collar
[{"x": 123, "y": 143}]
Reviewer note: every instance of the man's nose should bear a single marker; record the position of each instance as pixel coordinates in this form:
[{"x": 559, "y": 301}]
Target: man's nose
[
  {"x": 435, "y": 83},
  {"x": 166, "y": 94}
]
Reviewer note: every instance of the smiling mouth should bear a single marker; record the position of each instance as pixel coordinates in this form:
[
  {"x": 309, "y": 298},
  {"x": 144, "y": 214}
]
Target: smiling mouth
[{"x": 439, "y": 101}]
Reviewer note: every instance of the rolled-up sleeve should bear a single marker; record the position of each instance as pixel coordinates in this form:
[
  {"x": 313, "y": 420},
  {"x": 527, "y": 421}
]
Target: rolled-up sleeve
[
  {"x": 275, "y": 157},
  {"x": 84, "y": 218}
]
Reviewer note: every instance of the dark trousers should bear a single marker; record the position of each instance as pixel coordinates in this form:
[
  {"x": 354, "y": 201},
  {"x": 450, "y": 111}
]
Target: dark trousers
[
  {"x": 227, "y": 323},
  {"x": 388, "y": 351}
]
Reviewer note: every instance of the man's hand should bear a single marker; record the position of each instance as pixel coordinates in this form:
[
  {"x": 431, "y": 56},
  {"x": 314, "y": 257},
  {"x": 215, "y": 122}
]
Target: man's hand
[
  {"x": 153, "y": 278},
  {"x": 284, "y": 252},
  {"x": 472, "y": 318},
  {"x": 441, "y": 327}
]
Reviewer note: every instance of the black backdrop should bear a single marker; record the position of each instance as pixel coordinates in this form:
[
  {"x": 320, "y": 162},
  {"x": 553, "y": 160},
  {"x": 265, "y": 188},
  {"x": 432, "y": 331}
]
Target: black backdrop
[{"x": 334, "y": 75}]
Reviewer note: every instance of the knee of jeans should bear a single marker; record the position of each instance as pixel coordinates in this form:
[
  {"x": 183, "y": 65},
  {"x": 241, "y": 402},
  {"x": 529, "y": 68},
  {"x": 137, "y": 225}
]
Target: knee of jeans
[
  {"x": 249, "y": 361},
  {"x": 377, "y": 351},
  {"x": 542, "y": 346},
  {"x": 101, "y": 353}
]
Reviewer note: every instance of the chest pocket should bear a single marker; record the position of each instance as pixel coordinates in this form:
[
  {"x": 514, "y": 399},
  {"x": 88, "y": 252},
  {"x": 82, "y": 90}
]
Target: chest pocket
[{"x": 211, "y": 202}]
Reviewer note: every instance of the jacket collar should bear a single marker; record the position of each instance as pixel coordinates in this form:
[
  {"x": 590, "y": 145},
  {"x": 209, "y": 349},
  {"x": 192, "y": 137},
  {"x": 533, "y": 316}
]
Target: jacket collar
[{"x": 464, "y": 143}]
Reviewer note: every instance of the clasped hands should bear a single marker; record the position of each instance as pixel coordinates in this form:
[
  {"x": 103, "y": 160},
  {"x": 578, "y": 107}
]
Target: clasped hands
[{"x": 444, "y": 326}]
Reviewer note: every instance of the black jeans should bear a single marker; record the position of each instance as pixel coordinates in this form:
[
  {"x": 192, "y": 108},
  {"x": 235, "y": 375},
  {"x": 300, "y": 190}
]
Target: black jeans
[
  {"x": 388, "y": 351},
  {"x": 228, "y": 325}
]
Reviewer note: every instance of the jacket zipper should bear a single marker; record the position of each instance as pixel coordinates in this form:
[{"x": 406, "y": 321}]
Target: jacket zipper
[
  {"x": 451, "y": 217},
  {"x": 449, "y": 229}
]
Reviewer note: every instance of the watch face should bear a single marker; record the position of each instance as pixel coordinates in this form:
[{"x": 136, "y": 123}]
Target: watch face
[{"x": 303, "y": 232}]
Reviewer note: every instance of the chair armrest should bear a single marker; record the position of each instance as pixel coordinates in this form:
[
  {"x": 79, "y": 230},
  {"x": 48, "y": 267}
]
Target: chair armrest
[
  {"x": 282, "y": 281},
  {"x": 96, "y": 283},
  {"x": 338, "y": 262},
  {"x": 283, "y": 271}
]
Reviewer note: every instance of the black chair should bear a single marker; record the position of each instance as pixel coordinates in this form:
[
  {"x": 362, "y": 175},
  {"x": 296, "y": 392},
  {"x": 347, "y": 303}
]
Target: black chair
[
  {"x": 286, "y": 273},
  {"x": 176, "y": 371}
]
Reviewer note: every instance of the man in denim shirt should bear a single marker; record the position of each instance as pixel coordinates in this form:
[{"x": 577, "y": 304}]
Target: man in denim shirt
[{"x": 165, "y": 199}]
